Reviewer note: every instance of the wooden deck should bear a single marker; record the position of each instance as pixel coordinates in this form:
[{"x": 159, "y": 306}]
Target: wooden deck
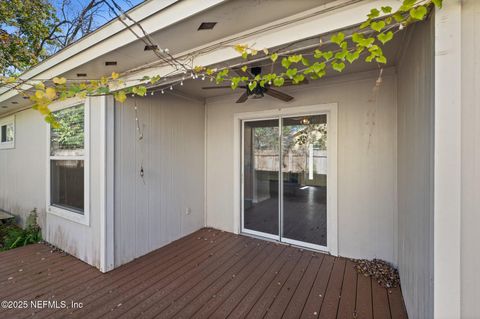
[{"x": 208, "y": 274}]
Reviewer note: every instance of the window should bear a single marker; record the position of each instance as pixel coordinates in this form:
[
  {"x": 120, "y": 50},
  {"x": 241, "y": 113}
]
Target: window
[
  {"x": 7, "y": 132},
  {"x": 68, "y": 158}
]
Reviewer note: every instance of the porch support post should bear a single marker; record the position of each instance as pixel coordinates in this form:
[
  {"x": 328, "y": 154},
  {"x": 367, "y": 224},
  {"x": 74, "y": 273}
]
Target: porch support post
[
  {"x": 107, "y": 261},
  {"x": 447, "y": 158}
]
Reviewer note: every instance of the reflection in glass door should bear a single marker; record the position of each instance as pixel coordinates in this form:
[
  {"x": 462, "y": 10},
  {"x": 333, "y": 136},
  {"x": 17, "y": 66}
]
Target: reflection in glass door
[
  {"x": 261, "y": 165},
  {"x": 304, "y": 187},
  {"x": 295, "y": 210}
]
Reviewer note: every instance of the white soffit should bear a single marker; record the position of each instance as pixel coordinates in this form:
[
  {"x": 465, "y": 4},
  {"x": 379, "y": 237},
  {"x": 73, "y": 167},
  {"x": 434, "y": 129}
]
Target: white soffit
[
  {"x": 333, "y": 16},
  {"x": 153, "y": 15}
]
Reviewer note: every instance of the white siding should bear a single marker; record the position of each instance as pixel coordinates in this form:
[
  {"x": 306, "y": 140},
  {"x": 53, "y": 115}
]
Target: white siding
[
  {"x": 22, "y": 169},
  {"x": 366, "y": 159},
  {"x": 79, "y": 240},
  {"x": 151, "y": 212},
  {"x": 415, "y": 171},
  {"x": 23, "y": 183},
  {"x": 470, "y": 236}
]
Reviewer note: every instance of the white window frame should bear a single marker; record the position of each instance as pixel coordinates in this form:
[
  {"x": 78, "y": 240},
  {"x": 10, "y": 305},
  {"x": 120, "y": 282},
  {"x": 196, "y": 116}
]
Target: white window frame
[
  {"x": 330, "y": 110},
  {"x": 64, "y": 212},
  {"x": 6, "y": 121}
]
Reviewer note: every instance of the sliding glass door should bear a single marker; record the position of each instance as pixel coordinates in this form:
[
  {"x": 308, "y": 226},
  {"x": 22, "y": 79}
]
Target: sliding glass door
[
  {"x": 261, "y": 171},
  {"x": 292, "y": 150}
]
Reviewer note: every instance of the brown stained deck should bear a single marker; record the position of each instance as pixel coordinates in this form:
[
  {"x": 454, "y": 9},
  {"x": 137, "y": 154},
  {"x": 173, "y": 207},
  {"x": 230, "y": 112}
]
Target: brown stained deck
[{"x": 208, "y": 274}]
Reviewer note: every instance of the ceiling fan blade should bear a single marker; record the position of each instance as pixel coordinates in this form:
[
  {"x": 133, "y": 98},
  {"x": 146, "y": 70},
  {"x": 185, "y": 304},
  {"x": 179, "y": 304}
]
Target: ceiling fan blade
[
  {"x": 242, "y": 73},
  {"x": 243, "y": 98},
  {"x": 278, "y": 95},
  {"x": 216, "y": 87},
  {"x": 221, "y": 87},
  {"x": 289, "y": 82}
]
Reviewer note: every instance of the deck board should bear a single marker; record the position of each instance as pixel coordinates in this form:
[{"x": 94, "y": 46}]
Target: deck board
[{"x": 207, "y": 274}]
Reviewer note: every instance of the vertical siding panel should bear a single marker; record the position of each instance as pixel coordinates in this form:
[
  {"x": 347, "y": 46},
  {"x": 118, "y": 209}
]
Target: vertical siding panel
[{"x": 153, "y": 214}]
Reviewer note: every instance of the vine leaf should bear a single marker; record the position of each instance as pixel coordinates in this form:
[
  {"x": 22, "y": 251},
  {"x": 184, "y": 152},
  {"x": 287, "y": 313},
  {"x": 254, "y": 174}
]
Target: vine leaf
[
  {"x": 291, "y": 72},
  {"x": 387, "y": 9},
  {"x": 418, "y": 13},
  {"x": 298, "y": 78},
  {"x": 338, "y": 66},
  {"x": 377, "y": 26},
  {"x": 352, "y": 56},
  {"x": 120, "y": 96},
  {"x": 338, "y": 38},
  {"x": 295, "y": 58},
  {"x": 286, "y": 63},
  {"x": 374, "y": 13},
  {"x": 59, "y": 81},
  {"x": 274, "y": 57},
  {"x": 327, "y": 55},
  {"x": 278, "y": 81},
  {"x": 252, "y": 85},
  {"x": 438, "y": 3},
  {"x": 50, "y": 93},
  {"x": 385, "y": 37},
  {"x": 381, "y": 59}
]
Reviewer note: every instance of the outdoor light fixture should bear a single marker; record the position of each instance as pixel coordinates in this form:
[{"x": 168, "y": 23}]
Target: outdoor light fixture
[
  {"x": 206, "y": 26},
  {"x": 110, "y": 63},
  {"x": 81, "y": 75},
  {"x": 305, "y": 121}
]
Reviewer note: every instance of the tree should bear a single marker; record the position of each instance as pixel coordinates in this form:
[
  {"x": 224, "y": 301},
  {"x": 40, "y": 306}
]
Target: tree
[
  {"x": 77, "y": 19},
  {"x": 24, "y": 24},
  {"x": 32, "y": 30}
]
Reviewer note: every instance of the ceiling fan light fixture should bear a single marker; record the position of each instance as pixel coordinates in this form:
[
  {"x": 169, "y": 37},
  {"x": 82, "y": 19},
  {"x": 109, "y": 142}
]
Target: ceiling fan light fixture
[
  {"x": 305, "y": 121},
  {"x": 257, "y": 95}
]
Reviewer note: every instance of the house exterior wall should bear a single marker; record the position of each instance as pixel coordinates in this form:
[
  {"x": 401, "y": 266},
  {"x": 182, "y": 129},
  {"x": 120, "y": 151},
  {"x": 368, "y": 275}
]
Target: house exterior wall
[
  {"x": 23, "y": 184},
  {"x": 415, "y": 170},
  {"x": 83, "y": 241},
  {"x": 470, "y": 201},
  {"x": 22, "y": 169},
  {"x": 366, "y": 158},
  {"x": 168, "y": 202}
]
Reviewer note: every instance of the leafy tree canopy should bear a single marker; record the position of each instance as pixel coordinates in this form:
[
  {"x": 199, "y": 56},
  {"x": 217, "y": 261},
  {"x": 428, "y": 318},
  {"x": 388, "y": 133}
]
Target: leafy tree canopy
[{"x": 24, "y": 26}]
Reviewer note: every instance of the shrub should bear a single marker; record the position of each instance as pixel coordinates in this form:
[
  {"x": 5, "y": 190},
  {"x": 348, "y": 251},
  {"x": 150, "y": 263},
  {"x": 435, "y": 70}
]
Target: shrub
[{"x": 12, "y": 236}]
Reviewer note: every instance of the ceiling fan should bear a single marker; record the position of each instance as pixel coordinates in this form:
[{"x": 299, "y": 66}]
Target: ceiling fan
[{"x": 258, "y": 92}]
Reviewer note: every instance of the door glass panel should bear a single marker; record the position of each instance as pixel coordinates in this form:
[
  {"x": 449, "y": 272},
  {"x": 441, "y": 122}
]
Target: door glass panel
[
  {"x": 304, "y": 167},
  {"x": 261, "y": 164}
]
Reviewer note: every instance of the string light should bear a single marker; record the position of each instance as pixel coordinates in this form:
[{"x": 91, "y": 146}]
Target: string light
[
  {"x": 181, "y": 83},
  {"x": 171, "y": 87},
  {"x": 163, "y": 92}
]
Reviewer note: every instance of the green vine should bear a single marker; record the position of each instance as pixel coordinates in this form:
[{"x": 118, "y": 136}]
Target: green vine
[{"x": 366, "y": 43}]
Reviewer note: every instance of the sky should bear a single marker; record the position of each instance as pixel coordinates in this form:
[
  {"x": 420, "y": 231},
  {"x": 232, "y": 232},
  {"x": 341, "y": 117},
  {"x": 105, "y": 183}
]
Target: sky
[{"x": 103, "y": 16}]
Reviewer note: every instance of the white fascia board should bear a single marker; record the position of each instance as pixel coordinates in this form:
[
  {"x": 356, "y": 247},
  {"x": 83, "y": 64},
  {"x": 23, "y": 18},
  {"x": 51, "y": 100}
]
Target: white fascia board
[
  {"x": 332, "y": 16},
  {"x": 113, "y": 36}
]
